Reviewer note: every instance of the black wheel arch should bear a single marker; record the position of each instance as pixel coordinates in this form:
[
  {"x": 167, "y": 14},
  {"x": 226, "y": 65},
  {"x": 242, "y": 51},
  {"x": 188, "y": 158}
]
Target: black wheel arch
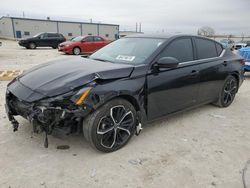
[
  {"x": 32, "y": 42},
  {"x": 134, "y": 100},
  {"x": 236, "y": 75}
]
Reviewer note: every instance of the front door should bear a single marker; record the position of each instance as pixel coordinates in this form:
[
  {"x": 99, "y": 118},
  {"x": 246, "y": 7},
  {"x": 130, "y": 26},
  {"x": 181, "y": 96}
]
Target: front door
[
  {"x": 173, "y": 89},
  {"x": 43, "y": 40}
]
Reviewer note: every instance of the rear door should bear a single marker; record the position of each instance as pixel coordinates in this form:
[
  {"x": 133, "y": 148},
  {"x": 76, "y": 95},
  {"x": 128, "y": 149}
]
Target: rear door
[
  {"x": 214, "y": 68},
  {"x": 99, "y": 42},
  {"x": 53, "y": 39},
  {"x": 88, "y": 45},
  {"x": 171, "y": 90}
]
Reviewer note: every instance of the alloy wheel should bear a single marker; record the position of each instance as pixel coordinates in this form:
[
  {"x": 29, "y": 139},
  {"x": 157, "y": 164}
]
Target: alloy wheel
[
  {"x": 115, "y": 128},
  {"x": 76, "y": 51},
  {"x": 32, "y": 45},
  {"x": 230, "y": 90}
]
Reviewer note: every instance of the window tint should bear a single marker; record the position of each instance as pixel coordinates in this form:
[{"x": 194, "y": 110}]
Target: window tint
[
  {"x": 53, "y": 35},
  {"x": 219, "y": 48},
  {"x": 180, "y": 49},
  {"x": 89, "y": 39},
  {"x": 98, "y": 39},
  {"x": 205, "y": 48}
]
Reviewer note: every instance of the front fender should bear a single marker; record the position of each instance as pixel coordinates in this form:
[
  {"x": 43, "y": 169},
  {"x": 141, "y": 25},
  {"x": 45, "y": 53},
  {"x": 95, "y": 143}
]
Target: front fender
[{"x": 132, "y": 90}]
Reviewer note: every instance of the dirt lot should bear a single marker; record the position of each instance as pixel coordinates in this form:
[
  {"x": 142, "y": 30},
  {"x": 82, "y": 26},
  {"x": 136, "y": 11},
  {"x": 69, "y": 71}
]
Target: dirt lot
[{"x": 205, "y": 147}]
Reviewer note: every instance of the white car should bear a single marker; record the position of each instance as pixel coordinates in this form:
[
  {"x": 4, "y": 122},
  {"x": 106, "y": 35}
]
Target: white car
[{"x": 240, "y": 45}]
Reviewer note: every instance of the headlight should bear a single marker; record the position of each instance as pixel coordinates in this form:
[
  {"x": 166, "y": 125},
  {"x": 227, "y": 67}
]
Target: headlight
[
  {"x": 81, "y": 95},
  {"x": 67, "y": 45}
]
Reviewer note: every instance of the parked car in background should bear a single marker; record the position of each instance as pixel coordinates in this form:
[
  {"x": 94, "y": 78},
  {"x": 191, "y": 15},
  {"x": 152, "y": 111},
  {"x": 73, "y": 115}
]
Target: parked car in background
[
  {"x": 43, "y": 40},
  {"x": 83, "y": 44},
  {"x": 245, "y": 53},
  {"x": 248, "y": 44},
  {"x": 240, "y": 45},
  {"x": 228, "y": 43},
  {"x": 112, "y": 94}
]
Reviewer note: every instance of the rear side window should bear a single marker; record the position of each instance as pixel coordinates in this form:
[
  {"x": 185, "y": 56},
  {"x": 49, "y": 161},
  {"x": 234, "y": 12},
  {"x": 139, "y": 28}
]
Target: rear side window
[
  {"x": 98, "y": 39},
  {"x": 89, "y": 39},
  {"x": 53, "y": 35},
  {"x": 180, "y": 49},
  {"x": 205, "y": 48},
  {"x": 219, "y": 48}
]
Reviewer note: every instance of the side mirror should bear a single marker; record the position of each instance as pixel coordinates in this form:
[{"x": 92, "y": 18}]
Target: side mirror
[
  {"x": 167, "y": 62},
  {"x": 83, "y": 40}
]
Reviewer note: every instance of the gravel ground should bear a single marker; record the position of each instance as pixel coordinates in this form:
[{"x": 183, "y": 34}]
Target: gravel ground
[
  {"x": 204, "y": 147},
  {"x": 14, "y": 57}
]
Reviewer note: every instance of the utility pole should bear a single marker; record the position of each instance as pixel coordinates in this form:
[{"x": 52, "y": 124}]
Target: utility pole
[
  {"x": 136, "y": 26},
  {"x": 23, "y": 15}
]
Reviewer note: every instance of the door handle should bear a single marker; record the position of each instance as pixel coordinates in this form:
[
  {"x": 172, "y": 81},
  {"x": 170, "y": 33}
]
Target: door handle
[{"x": 194, "y": 73}]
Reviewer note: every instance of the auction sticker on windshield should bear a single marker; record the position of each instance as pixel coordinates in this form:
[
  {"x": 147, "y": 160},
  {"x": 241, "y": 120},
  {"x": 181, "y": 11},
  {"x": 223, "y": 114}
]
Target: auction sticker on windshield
[{"x": 125, "y": 58}]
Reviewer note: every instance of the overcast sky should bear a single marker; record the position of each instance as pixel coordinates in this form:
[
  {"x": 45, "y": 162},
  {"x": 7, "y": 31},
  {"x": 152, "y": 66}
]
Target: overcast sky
[{"x": 168, "y": 16}]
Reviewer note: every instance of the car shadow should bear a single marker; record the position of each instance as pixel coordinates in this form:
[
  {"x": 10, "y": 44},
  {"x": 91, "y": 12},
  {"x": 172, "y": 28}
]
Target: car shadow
[{"x": 38, "y": 48}]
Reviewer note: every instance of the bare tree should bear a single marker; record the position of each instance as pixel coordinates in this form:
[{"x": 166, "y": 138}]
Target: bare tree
[{"x": 206, "y": 31}]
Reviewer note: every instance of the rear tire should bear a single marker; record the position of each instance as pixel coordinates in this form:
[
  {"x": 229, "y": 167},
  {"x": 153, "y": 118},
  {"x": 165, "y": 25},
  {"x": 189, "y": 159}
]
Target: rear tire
[
  {"x": 111, "y": 126},
  {"x": 32, "y": 45},
  {"x": 228, "y": 92},
  {"x": 76, "y": 51}
]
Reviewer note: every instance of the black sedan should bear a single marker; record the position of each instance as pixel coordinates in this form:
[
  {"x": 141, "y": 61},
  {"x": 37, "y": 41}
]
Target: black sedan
[
  {"x": 43, "y": 40},
  {"x": 112, "y": 94}
]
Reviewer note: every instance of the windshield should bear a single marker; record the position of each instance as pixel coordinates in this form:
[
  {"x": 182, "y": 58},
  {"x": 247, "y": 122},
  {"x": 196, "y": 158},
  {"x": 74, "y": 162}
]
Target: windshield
[
  {"x": 77, "y": 38},
  {"x": 128, "y": 50},
  {"x": 37, "y": 34}
]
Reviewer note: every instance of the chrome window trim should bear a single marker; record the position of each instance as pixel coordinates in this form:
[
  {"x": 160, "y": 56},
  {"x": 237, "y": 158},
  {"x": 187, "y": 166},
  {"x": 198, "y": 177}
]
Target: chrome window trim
[{"x": 206, "y": 59}]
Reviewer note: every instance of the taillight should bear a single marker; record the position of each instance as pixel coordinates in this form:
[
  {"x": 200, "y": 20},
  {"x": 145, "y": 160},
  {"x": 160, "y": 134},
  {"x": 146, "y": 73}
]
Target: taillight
[{"x": 242, "y": 61}]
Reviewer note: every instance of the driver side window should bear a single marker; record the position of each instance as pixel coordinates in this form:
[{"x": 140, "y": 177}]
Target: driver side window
[
  {"x": 181, "y": 49},
  {"x": 44, "y": 36}
]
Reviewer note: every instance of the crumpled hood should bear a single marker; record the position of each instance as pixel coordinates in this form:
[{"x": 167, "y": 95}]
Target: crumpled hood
[{"x": 61, "y": 76}]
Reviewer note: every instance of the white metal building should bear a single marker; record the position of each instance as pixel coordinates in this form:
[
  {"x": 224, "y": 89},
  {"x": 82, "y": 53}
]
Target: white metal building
[
  {"x": 125, "y": 33},
  {"x": 14, "y": 27}
]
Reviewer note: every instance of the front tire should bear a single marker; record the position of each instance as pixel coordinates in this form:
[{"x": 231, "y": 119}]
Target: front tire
[
  {"x": 228, "y": 92},
  {"x": 76, "y": 51},
  {"x": 111, "y": 126},
  {"x": 32, "y": 45}
]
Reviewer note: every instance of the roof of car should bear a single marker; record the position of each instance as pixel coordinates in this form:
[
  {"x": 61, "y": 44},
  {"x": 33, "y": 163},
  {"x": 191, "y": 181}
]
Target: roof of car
[{"x": 162, "y": 36}]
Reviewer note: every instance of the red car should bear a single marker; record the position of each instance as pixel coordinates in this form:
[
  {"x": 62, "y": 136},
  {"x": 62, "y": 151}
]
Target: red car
[{"x": 83, "y": 44}]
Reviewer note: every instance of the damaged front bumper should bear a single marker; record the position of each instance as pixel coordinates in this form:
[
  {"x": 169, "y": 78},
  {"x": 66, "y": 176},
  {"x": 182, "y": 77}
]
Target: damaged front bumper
[{"x": 45, "y": 116}]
